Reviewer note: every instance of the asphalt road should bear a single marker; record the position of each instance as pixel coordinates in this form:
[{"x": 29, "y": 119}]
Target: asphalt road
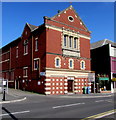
[{"x": 58, "y": 107}]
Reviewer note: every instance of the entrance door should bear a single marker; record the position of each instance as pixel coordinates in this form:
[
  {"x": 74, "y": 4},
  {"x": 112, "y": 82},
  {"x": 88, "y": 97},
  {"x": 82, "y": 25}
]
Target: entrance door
[{"x": 70, "y": 85}]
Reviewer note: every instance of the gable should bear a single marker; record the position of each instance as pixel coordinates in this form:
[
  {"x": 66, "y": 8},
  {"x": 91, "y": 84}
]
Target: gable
[{"x": 71, "y": 18}]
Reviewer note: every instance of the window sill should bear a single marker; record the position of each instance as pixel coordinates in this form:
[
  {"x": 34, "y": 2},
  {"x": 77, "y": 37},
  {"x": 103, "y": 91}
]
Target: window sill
[
  {"x": 36, "y": 50},
  {"x": 25, "y": 76},
  {"x": 25, "y": 53}
]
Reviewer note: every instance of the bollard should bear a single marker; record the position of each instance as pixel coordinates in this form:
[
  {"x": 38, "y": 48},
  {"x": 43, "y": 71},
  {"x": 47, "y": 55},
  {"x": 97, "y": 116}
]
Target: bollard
[{"x": 3, "y": 95}]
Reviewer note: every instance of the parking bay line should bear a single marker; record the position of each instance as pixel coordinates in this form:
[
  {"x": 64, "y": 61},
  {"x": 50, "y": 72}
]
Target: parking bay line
[
  {"x": 61, "y": 106},
  {"x": 14, "y": 113}
]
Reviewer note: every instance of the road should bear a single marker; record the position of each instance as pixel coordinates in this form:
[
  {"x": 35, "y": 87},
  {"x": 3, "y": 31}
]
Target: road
[{"x": 58, "y": 107}]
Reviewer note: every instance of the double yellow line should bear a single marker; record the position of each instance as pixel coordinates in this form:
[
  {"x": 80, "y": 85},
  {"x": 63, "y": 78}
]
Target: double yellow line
[{"x": 100, "y": 115}]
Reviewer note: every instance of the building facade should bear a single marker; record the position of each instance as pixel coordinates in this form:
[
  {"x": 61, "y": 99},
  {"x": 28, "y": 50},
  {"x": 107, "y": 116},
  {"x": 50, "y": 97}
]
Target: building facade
[
  {"x": 53, "y": 58},
  {"x": 103, "y": 55}
]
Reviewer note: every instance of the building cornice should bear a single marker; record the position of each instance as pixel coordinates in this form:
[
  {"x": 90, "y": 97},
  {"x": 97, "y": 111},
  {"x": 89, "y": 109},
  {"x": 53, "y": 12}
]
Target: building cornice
[
  {"x": 60, "y": 29},
  {"x": 68, "y": 56},
  {"x": 68, "y": 70}
]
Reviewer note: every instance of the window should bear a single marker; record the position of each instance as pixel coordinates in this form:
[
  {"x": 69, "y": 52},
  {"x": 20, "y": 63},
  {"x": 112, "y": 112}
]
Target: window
[
  {"x": 71, "y": 63},
  {"x": 36, "y": 64},
  {"x": 17, "y": 52},
  {"x": 70, "y": 41},
  {"x": 82, "y": 65},
  {"x": 57, "y": 62},
  {"x": 36, "y": 44},
  {"x": 75, "y": 42},
  {"x": 25, "y": 70},
  {"x": 65, "y": 40},
  {"x": 70, "y": 18},
  {"x": 26, "y": 49}
]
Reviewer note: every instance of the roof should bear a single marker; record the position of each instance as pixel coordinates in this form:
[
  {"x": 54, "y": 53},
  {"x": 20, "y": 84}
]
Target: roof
[
  {"x": 102, "y": 43},
  {"x": 60, "y": 12},
  {"x": 32, "y": 27},
  {"x": 11, "y": 43}
]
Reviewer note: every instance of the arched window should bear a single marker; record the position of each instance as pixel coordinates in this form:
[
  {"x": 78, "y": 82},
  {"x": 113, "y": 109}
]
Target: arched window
[
  {"x": 57, "y": 62},
  {"x": 82, "y": 65},
  {"x": 71, "y": 63}
]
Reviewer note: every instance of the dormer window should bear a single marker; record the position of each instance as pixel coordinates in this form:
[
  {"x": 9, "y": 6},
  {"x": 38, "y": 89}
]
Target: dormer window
[{"x": 70, "y": 18}]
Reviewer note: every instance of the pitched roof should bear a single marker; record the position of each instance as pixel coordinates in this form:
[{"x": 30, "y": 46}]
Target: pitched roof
[
  {"x": 102, "y": 43},
  {"x": 32, "y": 27},
  {"x": 75, "y": 13}
]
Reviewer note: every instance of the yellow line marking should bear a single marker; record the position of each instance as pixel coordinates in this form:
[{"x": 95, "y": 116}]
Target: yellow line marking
[{"x": 99, "y": 115}]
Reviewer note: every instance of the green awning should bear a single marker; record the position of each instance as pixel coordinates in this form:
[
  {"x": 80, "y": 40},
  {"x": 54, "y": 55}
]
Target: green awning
[{"x": 103, "y": 78}]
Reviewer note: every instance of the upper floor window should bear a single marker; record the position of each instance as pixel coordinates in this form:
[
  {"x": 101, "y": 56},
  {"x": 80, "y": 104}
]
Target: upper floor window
[
  {"x": 36, "y": 44},
  {"x": 17, "y": 52},
  {"x": 25, "y": 70},
  {"x": 36, "y": 63},
  {"x": 71, "y": 63},
  {"x": 65, "y": 40},
  {"x": 82, "y": 65},
  {"x": 70, "y": 18},
  {"x": 70, "y": 41},
  {"x": 57, "y": 62},
  {"x": 75, "y": 43},
  {"x": 25, "y": 47}
]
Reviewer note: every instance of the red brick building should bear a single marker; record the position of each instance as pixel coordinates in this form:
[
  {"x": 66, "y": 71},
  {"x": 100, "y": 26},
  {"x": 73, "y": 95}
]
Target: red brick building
[{"x": 53, "y": 58}]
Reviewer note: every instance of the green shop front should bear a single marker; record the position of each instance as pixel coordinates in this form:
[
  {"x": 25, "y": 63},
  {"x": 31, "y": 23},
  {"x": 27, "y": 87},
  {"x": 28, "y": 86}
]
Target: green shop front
[{"x": 102, "y": 83}]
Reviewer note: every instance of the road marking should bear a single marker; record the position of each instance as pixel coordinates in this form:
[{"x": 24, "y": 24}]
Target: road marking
[
  {"x": 67, "y": 105},
  {"x": 14, "y": 113},
  {"x": 109, "y": 100},
  {"x": 99, "y": 101},
  {"x": 101, "y": 115}
]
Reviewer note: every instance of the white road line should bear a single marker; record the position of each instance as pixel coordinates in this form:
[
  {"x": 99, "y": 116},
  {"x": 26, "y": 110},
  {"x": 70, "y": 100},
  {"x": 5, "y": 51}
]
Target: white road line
[
  {"x": 14, "y": 113},
  {"x": 109, "y": 100},
  {"x": 67, "y": 105},
  {"x": 99, "y": 101}
]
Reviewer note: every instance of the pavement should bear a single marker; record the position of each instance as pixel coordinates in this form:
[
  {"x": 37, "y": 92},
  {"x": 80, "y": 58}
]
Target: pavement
[{"x": 15, "y": 95}]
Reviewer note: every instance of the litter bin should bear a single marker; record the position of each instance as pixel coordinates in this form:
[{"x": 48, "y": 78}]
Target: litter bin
[
  {"x": 88, "y": 90},
  {"x": 84, "y": 90}
]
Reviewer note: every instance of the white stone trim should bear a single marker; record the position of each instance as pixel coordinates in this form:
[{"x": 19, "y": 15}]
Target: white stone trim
[
  {"x": 65, "y": 80},
  {"x": 65, "y": 87},
  {"x": 59, "y": 62},
  {"x": 47, "y": 84},
  {"x": 36, "y": 58},
  {"x": 47, "y": 88},
  {"x": 65, "y": 91},
  {"x": 61, "y": 72},
  {"x": 71, "y": 17},
  {"x": 82, "y": 61},
  {"x": 75, "y": 83},
  {"x": 47, "y": 92},
  {"x": 47, "y": 80},
  {"x": 65, "y": 83},
  {"x": 72, "y": 63},
  {"x": 5, "y": 61},
  {"x": 60, "y": 30}
]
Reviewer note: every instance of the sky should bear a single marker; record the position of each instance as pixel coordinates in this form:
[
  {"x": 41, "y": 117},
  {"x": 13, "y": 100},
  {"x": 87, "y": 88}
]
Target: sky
[{"x": 97, "y": 16}]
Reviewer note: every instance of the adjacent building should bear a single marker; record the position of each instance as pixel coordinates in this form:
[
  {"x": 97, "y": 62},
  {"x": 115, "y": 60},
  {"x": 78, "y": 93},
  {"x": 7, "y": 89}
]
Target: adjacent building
[
  {"x": 103, "y": 62},
  {"x": 53, "y": 58}
]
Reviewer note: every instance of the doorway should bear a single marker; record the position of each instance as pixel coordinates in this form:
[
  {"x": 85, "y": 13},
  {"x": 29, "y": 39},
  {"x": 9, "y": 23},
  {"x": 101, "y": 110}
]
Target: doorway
[{"x": 70, "y": 85}]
